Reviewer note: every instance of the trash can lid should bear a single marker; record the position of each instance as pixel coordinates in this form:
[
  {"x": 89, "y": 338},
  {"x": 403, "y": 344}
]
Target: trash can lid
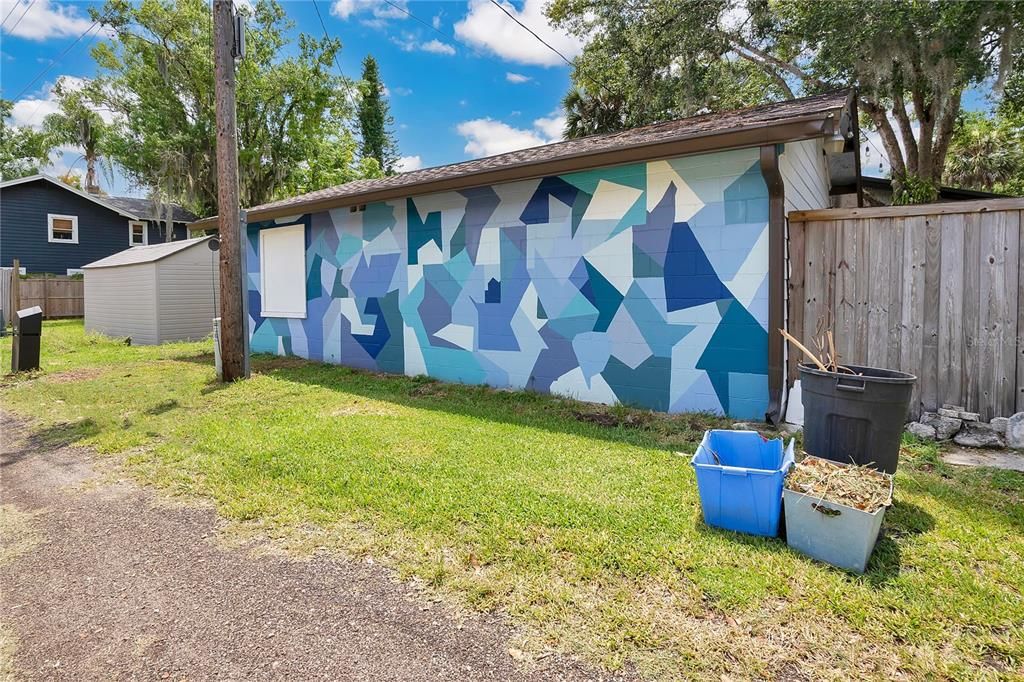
[{"x": 29, "y": 312}]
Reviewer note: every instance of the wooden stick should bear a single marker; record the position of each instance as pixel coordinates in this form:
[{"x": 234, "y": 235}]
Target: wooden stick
[
  {"x": 789, "y": 337},
  {"x": 832, "y": 351}
]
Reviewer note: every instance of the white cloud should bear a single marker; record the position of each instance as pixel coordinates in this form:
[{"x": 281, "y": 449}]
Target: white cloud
[
  {"x": 516, "y": 77},
  {"x": 409, "y": 42},
  {"x": 437, "y": 47},
  {"x": 43, "y": 20},
  {"x": 31, "y": 111},
  {"x": 436, "y": 21},
  {"x": 408, "y": 163},
  {"x": 402, "y": 92},
  {"x": 343, "y": 9},
  {"x": 487, "y": 27},
  {"x": 487, "y": 137},
  {"x": 552, "y": 126}
]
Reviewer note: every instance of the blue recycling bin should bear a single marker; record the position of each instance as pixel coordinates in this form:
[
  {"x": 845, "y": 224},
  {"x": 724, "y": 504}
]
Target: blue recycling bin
[{"x": 739, "y": 479}]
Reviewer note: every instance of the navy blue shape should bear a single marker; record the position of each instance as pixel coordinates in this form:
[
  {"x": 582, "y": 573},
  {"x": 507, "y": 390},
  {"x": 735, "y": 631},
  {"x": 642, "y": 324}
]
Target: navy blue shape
[
  {"x": 255, "y": 306},
  {"x": 536, "y": 211},
  {"x": 374, "y": 343},
  {"x": 690, "y": 280},
  {"x": 493, "y": 292}
]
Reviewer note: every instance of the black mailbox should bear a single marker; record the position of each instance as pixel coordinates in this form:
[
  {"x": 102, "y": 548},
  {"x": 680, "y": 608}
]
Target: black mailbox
[{"x": 28, "y": 327}]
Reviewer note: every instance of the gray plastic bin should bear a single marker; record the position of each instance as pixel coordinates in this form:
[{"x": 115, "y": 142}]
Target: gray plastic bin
[{"x": 831, "y": 532}]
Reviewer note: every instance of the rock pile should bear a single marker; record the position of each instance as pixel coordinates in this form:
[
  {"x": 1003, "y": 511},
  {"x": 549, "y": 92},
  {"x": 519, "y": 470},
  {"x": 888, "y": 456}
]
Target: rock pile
[{"x": 966, "y": 428}]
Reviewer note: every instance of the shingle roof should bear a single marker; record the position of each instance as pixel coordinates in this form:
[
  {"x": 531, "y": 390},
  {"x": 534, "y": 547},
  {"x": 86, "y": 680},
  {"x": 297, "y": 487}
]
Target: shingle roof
[
  {"x": 525, "y": 163},
  {"x": 145, "y": 254},
  {"x": 147, "y": 209}
]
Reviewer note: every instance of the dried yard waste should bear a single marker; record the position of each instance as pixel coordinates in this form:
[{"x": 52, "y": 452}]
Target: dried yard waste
[{"x": 859, "y": 487}]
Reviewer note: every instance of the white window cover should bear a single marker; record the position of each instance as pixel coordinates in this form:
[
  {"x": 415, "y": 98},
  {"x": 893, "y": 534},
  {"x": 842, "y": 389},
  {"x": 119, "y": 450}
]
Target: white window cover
[{"x": 283, "y": 271}]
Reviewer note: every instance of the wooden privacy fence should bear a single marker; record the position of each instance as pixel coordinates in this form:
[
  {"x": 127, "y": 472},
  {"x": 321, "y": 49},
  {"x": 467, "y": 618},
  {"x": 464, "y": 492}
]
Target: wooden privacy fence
[
  {"x": 57, "y": 295},
  {"x": 934, "y": 290}
]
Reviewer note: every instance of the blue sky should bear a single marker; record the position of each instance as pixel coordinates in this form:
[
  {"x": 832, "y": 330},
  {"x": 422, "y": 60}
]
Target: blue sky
[
  {"x": 463, "y": 79},
  {"x": 465, "y": 82}
]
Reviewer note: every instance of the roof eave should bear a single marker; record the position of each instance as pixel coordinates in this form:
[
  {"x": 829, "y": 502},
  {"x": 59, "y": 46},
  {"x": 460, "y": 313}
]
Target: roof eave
[
  {"x": 73, "y": 190},
  {"x": 822, "y": 123}
]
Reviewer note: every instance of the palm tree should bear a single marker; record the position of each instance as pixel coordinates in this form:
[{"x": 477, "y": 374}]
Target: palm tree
[
  {"x": 587, "y": 114},
  {"x": 983, "y": 154},
  {"x": 78, "y": 123}
]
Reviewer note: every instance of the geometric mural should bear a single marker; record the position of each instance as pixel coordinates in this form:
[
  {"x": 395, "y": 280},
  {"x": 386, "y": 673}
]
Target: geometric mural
[{"x": 644, "y": 284}]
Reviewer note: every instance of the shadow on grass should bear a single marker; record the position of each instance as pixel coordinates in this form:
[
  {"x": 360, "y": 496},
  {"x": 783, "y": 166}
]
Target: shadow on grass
[
  {"x": 616, "y": 423},
  {"x": 52, "y": 437},
  {"x": 162, "y": 407}
]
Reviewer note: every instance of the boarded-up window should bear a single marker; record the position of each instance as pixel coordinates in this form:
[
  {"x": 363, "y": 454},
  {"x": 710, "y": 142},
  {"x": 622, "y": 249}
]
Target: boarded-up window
[
  {"x": 137, "y": 233},
  {"x": 63, "y": 228},
  {"x": 283, "y": 271}
]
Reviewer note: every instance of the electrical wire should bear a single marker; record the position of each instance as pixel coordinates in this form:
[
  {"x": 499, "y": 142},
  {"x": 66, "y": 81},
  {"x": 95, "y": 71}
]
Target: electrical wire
[
  {"x": 532, "y": 32},
  {"x": 54, "y": 62},
  {"x": 424, "y": 22},
  {"x": 14, "y": 6},
  {"x": 39, "y": 104},
  {"x": 11, "y": 29},
  {"x": 319, "y": 16}
]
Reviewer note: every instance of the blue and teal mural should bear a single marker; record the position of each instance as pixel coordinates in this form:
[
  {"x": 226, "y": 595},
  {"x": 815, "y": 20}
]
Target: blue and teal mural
[{"x": 643, "y": 284}]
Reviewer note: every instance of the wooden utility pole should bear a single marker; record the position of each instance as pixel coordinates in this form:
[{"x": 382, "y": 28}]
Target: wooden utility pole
[{"x": 232, "y": 326}]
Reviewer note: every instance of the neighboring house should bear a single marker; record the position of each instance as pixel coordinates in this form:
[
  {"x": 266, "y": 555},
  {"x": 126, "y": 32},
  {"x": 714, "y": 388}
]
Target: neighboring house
[
  {"x": 52, "y": 227},
  {"x": 646, "y": 267},
  {"x": 878, "y": 192},
  {"x": 173, "y": 289}
]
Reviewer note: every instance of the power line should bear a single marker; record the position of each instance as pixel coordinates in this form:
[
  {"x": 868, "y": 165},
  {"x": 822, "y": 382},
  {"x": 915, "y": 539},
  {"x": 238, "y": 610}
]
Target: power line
[
  {"x": 11, "y": 29},
  {"x": 327, "y": 35},
  {"x": 532, "y": 32},
  {"x": 55, "y": 61},
  {"x": 14, "y": 6},
  {"x": 41, "y": 100},
  {"x": 424, "y": 22}
]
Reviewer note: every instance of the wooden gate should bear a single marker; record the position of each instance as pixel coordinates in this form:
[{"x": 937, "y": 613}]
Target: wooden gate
[{"x": 934, "y": 290}]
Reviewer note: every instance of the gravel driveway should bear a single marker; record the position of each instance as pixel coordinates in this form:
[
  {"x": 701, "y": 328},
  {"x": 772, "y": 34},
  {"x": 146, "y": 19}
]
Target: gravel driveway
[{"x": 120, "y": 585}]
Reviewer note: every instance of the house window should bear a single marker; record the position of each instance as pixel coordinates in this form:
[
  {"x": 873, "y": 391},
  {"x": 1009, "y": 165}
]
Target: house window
[
  {"x": 137, "y": 233},
  {"x": 283, "y": 271},
  {"x": 62, "y": 229}
]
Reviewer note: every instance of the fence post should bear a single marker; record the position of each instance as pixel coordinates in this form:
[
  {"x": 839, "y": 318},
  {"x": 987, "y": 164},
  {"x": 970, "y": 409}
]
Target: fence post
[
  {"x": 46, "y": 295},
  {"x": 15, "y": 289}
]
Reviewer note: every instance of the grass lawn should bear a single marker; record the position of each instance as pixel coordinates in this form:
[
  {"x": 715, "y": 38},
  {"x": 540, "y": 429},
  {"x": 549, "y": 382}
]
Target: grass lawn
[{"x": 580, "y": 522}]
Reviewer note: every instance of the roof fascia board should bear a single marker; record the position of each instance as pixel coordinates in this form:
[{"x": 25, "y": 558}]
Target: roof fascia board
[
  {"x": 74, "y": 190},
  {"x": 98, "y": 265}
]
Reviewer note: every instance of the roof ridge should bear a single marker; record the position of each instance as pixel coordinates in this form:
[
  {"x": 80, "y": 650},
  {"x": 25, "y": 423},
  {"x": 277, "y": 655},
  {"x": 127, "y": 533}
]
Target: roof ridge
[{"x": 532, "y": 159}]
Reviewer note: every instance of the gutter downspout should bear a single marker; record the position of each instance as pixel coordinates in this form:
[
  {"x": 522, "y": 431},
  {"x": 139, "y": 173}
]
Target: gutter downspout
[{"x": 776, "y": 280}]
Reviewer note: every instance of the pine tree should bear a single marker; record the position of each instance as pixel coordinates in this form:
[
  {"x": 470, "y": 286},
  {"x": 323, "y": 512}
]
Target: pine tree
[{"x": 375, "y": 122}]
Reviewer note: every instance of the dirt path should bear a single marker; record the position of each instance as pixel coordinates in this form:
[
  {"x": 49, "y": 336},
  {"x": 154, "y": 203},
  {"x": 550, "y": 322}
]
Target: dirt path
[{"x": 105, "y": 582}]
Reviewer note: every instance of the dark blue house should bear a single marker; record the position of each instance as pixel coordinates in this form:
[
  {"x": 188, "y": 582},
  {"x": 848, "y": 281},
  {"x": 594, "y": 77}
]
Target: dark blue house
[{"x": 55, "y": 228}]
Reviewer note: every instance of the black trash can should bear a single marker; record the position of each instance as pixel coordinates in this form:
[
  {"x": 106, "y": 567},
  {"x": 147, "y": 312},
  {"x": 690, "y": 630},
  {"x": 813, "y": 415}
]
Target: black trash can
[
  {"x": 858, "y": 419},
  {"x": 28, "y": 328}
]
